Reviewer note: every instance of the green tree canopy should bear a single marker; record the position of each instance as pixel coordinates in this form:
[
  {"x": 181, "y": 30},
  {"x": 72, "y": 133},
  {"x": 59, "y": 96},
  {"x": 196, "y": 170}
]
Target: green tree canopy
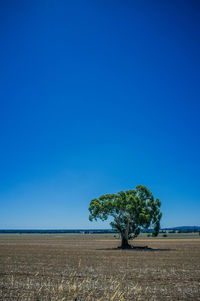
[{"x": 131, "y": 210}]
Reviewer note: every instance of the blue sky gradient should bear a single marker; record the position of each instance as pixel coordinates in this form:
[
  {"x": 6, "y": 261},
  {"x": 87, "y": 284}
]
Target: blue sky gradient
[{"x": 98, "y": 97}]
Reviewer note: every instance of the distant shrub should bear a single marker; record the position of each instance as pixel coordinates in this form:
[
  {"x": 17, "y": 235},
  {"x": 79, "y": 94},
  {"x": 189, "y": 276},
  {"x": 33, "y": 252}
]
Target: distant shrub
[
  {"x": 164, "y": 235},
  {"x": 148, "y": 235}
]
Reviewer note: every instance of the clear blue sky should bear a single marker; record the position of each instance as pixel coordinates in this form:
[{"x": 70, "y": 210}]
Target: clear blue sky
[{"x": 97, "y": 97}]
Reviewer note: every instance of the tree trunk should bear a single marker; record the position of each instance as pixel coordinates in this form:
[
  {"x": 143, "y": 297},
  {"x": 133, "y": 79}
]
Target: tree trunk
[{"x": 125, "y": 244}]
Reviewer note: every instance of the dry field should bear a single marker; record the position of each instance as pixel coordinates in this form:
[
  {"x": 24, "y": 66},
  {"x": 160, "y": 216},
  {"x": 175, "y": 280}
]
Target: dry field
[{"x": 85, "y": 267}]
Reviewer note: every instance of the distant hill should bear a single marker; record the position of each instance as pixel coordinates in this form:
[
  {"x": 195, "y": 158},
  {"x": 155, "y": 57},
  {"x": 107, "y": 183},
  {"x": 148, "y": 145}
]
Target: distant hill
[{"x": 195, "y": 228}]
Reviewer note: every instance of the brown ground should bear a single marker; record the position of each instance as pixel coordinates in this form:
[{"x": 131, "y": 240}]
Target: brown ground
[{"x": 84, "y": 267}]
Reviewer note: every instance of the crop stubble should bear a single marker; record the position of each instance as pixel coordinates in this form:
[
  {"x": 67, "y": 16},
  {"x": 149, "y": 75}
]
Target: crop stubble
[{"x": 53, "y": 267}]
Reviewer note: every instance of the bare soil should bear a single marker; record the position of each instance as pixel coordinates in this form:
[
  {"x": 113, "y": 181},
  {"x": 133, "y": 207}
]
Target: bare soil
[{"x": 83, "y": 267}]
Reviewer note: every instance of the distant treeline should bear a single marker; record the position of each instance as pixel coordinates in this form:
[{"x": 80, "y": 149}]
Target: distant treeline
[
  {"x": 183, "y": 229},
  {"x": 21, "y": 231}
]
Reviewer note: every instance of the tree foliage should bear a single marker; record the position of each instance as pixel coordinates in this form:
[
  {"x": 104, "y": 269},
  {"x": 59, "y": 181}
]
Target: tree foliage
[{"x": 130, "y": 210}]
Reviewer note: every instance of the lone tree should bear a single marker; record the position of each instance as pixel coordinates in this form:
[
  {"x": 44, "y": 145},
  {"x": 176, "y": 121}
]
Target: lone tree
[{"x": 131, "y": 210}]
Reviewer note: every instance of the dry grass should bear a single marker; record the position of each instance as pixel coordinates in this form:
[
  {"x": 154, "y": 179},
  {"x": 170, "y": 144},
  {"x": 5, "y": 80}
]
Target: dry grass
[{"x": 52, "y": 267}]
